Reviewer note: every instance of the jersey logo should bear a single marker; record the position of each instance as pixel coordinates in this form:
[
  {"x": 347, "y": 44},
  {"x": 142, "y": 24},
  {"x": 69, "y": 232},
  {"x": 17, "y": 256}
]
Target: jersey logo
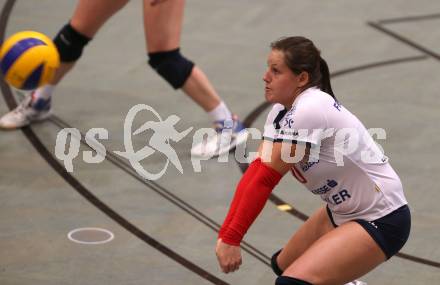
[
  {"x": 307, "y": 165},
  {"x": 293, "y": 133},
  {"x": 339, "y": 197},
  {"x": 288, "y": 122},
  {"x": 327, "y": 187}
]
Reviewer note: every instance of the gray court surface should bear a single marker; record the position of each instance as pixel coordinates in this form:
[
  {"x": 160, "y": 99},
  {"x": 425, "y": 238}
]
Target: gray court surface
[{"x": 385, "y": 58}]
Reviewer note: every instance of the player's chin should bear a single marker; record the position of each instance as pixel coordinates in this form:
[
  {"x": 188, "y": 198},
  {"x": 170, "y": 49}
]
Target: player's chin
[{"x": 269, "y": 97}]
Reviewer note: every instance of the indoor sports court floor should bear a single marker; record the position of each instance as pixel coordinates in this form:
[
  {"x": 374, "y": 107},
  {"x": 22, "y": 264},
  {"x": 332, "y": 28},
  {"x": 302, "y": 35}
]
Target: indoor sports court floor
[{"x": 385, "y": 61}]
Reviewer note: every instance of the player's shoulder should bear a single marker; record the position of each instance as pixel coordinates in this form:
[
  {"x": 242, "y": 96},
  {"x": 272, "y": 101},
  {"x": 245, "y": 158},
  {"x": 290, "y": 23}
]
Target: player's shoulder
[{"x": 314, "y": 97}]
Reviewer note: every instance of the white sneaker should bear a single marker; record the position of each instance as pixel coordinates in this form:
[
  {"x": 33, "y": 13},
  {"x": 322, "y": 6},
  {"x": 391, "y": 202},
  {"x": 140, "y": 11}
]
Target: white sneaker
[
  {"x": 228, "y": 134},
  {"x": 26, "y": 112},
  {"x": 356, "y": 282}
]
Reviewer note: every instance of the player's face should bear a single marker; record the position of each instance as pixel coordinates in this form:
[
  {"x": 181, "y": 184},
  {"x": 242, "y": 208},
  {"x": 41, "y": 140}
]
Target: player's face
[{"x": 281, "y": 84}]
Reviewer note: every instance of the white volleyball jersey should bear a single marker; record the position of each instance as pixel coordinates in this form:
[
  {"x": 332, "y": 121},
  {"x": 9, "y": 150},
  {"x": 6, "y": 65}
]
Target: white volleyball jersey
[{"x": 345, "y": 167}]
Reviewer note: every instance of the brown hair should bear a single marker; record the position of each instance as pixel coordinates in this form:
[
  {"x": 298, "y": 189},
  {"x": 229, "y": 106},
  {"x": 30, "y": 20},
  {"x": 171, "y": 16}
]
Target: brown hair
[{"x": 300, "y": 54}]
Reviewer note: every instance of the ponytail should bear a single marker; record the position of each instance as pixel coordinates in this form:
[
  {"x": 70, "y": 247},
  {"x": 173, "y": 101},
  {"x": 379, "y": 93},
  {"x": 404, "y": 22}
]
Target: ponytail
[{"x": 325, "y": 78}]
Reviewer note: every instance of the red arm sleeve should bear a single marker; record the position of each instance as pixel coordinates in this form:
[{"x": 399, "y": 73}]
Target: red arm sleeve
[
  {"x": 253, "y": 197},
  {"x": 245, "y": 179}
]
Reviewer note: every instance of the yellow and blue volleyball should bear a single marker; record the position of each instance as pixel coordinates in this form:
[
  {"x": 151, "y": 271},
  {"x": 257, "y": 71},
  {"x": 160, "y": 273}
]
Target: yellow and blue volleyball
[{"x": 28, "y": 60}]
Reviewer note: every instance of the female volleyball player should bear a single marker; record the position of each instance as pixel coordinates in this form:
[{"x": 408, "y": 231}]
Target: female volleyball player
[
  {"x": 163, "y": 25},
  {"x": 366, "y": 219}
]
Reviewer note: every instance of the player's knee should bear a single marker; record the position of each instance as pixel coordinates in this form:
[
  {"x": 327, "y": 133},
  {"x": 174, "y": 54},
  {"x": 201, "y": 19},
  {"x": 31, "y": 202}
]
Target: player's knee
[
  {"x": 286, "y": 280},
  {"x": 70, "y": 43},
  {"x": 274, "y": 264},
  {"x": 172, "y": 66}
]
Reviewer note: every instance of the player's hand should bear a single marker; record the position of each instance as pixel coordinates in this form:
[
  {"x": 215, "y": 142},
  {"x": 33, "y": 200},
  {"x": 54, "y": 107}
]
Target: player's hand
[{"x": 229, "y": 256}]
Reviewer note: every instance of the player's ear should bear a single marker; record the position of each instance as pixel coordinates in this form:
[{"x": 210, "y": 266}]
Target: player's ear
[{"x": 303, "y": 79}]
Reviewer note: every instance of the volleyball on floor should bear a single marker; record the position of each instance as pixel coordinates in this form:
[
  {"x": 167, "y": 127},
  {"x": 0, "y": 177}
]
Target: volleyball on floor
[{"x": 28, "y": 60}]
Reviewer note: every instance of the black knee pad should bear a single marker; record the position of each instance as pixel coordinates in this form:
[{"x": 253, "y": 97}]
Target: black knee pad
[
  {"x": 172, "y": 66},
  {"x": 286, "y": 280},
  {"x": 70, "y": 43},
  {"x": 274, "y": 264}
]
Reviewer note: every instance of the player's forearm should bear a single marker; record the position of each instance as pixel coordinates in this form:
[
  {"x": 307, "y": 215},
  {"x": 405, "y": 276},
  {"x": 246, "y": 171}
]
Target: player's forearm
[{"x": 253, "y": 198}]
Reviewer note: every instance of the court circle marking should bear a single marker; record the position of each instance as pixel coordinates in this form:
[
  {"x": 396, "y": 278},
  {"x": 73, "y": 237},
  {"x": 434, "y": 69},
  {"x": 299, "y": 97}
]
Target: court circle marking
[{"x": 72, "y": 232}]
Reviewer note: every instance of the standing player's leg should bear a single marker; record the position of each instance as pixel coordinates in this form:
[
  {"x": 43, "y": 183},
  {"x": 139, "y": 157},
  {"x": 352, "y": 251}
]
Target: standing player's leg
[
  {"x": 88, "y": 18},
  {"x": 70, "y": 41},
  {"x": 163, "y": 25}
]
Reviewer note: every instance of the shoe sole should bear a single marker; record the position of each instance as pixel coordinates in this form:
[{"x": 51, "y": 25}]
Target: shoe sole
[{"x": 29, "y": 122}]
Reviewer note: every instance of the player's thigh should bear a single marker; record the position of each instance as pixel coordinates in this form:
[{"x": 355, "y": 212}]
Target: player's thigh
[
  {"x": 90, "y": 15},
  {"x": 338, "y": 257},
  {"x": 312, "y": 229},
  {"x": 163, "y": 24}
]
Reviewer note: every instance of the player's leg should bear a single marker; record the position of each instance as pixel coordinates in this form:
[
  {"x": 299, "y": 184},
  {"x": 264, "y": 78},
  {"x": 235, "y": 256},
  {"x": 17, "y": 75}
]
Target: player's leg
[
  {"x": 163, "y": 25},
  {"x": 70, "y": 41},
  {"x": 339, "y": 256},
  {"x": 89, "y": 16},
  {"x": 315, "y": 227}
]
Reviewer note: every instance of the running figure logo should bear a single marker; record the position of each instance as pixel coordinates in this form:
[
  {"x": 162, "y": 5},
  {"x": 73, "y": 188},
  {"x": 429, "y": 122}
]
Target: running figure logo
[{"x": 164, "y": 131}]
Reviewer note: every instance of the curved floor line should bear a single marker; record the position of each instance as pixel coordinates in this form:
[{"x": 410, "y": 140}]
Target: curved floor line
[
  {"x": 250, "y": 119},
  {"x": 83, "y": 191}
]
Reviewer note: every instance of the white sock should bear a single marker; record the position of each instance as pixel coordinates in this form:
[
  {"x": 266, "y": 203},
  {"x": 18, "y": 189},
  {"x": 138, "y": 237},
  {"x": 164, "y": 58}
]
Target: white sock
[
  {"x": 44, "y": 92},
  {"x": 220, "y": 113}
]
